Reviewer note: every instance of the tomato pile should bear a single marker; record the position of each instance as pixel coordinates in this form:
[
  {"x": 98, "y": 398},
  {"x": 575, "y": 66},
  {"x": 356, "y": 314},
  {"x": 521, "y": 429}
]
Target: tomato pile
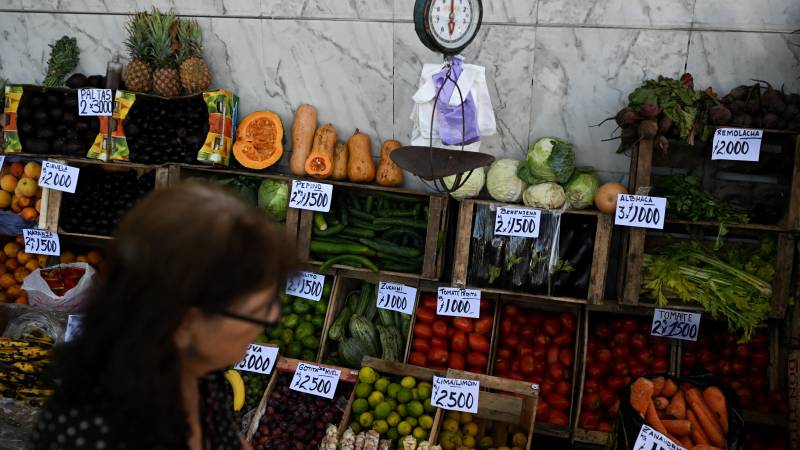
[
  {"x": 742, "y": 366},
  {"x": 617, "y": 352},
  {"x": 539, "y": 347},
  {"x": 62, "y": 280},
  {"x": 445, "y": 342}
]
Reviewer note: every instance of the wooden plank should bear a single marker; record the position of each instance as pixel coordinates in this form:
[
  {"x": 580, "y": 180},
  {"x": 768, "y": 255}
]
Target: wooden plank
[
  {"x": 162, "y": 177},
  {"x": 463, "y": 243},
  {"x": 304, "y": 235},
  {"x": 636, "y": 236},
  {"x": 782, "y": 283},
  {"x": 432, "y": 243},
  {"x": 793, "y": 215},
  {"x": 262, "y": 406},
  {"x": 290, "y": 365},
  {"x": 793, "y": 375},
  {"x": 50, "y": 209},
  {"x": 602, "y": 249},
  {"x": 174, "y": 174}
]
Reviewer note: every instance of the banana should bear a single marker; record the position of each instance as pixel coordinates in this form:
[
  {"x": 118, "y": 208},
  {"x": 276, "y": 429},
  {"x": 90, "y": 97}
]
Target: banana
[{"x": 236, "y": 382}]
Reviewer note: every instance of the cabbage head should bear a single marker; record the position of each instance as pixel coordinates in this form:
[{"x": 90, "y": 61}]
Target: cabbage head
[
  {"x": 550, "y": 159},
  {"x": 544, "y": 195},
  {"x": 273, "y": 197},
  {"x": 581, "y": 188},
  {"x": 470, "y": 188},
  {"x": 502, "y": 181}
]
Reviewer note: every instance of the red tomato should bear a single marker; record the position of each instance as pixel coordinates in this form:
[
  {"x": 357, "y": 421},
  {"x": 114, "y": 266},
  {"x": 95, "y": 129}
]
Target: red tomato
[
  {"x": 429, "y": 300},
  {"x": 638, "y": 370},
  {"x": 621, "y": 338},
  {"x": 612, "y": 412},
  {"x": 591, "y": 385},
  {"x": 615, "y": 383},
  {"x": 527, "y": 364},
  {"x": 638, "y": 341},
  {"x": 552, "y": 326},
  {"x": 555, "y": 372},
  {"x": 660, "y": 365},
  {"x": 417, "y": 359},
  {"x": 630, "y": 324},
  {"x": 729, "y": 338},
  {"x": 602, "y": 331},
  {"x": 596, "y": 371},
  {"x": 501, "y": 367},
  {"x": 603, "y": 356},
  {"x": 552, "y": 355},
  {"x": 759, "y": 383},
  {"x": 724, "y": 369},
  {"x": 475, "y": 359},
  {"x": 558, "y": 418},
  {"x": 565, "y": 357},
  {"x": 588, "y": 420},
  {"x": 563, "y": 340},
  {"x": 604, "y": 427},
  {"x": 760, "y": 357},
  {"x": 456, "y": 361},
  {"x": 504, "y": 353},
  {"x": 486, "y": 305},
  {"x": 458, "y": 342},
  {"x": 616, "y": 325},
  {"x": 759, "y": 340},
  {"x": 524, "y": 349},
  {"x": 620, "y": 368},
  {"x": 438, "y": 342},
  {"x": 563, "y": 388},
  {"x": 521, "y": 319},
  {"x": 438, "y": 356},
  {"x": 607, "y": 397},
  {"x": 591, "y": 346},
  {"x": 743, "y": 351},
  {"x": 426, "y": 315},
  {"x": 510, "y": 310},
  {"x": 591, "y": 402},
  {"x": 620, "y": 351},
  {"x": 706, "y": 357},
  {"x": 547, "y": 387},
  {"x": 539, "y": 352},
  {"x": 660, "y": 348},
  {"x": 568, "y": 322},
  {"x": 536, "y": 319},
  {"x": 541, "y": 339},
  {"x": 439, "y": 328},
  {"x": 542, "y": 410},
  {"x": 540, "y": 367},
  {"x": 688, "y": 359},
  {"x": 478, "y": 342},
  {"x": 728, "y": 351},
  {"x": 463, "y": 324},
  {"x": 537, "y": 380},
  {"x": 527, "y": 333},
  {"x": 484, "y": 325},
  {"x": 423, "y": 331},
  {"x": 510, "y": 341},
  {"x": 506, "y": 327},
  {"x": 739, "y": 368},
  {"x": 421, "y": 345},
  {"x": 646, "y": 357}
]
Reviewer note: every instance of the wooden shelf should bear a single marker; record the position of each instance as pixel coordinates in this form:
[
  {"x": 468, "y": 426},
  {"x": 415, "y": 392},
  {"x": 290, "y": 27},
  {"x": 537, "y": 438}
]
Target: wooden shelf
[{"x": 771, "y": 420}]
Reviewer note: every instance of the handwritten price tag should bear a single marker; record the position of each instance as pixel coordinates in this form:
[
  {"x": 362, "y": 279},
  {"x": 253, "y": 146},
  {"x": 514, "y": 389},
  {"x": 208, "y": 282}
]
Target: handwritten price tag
[
  {"x": 306, "y": 285},
  {"x": 455, "y": 394},
  {"x": 2, "y": 160},
  {"x": 737, "y": 144},
  {"x": 41, "y": 242},
  {"x": 676, "y": 324},
  {"x": 258, "y": 359},
  {"x": 311, "y": 195},
  {"x": 641, "y": 211},
  {"x": 650, "y": 439},
  {"x": 59, "y": 177},
  {"x": 73, "y": 327},
  {"x": 521, "y": 222},
  {"x": 396, "y": 297},
  {"x": 95, "y": 102},
  {"x": 458, "y": 302},
  {"x": 315, "y": 380}
]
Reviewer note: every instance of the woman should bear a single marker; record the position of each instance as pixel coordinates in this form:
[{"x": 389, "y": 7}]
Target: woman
[{"x": 192, "y": 280}]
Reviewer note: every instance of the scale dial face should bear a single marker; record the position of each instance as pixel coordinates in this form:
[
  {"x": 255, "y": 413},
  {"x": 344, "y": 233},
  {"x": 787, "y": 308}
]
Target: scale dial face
[{"x": 450, "y": 25}]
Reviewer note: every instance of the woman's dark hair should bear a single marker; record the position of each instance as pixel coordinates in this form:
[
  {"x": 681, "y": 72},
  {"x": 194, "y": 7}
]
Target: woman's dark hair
[{"x": 190, "y": 246}]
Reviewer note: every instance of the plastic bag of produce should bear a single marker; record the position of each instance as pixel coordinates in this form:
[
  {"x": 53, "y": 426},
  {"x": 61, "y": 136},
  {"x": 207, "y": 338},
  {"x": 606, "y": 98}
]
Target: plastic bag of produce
[
  {"x": 17, "y": 420},
  {"x": 73, "y": 281},
  {"x": 686, "y": 418}
]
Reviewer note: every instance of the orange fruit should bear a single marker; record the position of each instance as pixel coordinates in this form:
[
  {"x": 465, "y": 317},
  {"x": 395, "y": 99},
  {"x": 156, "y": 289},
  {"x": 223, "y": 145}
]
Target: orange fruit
[
  {"x": 20, "y": 273},
  {"x": 25, "y": 202},
  {"x": 22, "y": 299},
  {"x": 32, "y": 265},
  {"x": 8, "y": 183},
  {"x": 5, "y": 199},
  {"x": 15, "y": 205},
  {"x": 11, "y": 263},
  {"x": 29, "y": 214},
  {"x": 3, "y": 257},
  {"x": 42, "y": 260},
  {"x": 3, "y": 297},
  {"x": 66, "y": 257},
  {"x": 20, "y": 240},
  {"x": 17, "y": 169},
  {"x": 11, "y": 249},
  {"x": 7, "y": 280},
  {"x": 14, "y": 291},
  {"x": 32, "y": 170},
  {"x": 94, "y": 257},
  {"x": 23, "y": 257},
  {"x": 26, "y": 187}
]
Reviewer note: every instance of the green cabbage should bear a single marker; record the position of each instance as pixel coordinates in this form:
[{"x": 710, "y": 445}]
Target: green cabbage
[
  {"x": 470, "y": 188},
  {"x": 581, "y": 188},
  {"x": 550, "y": 159},
  {"x": 544, "y": 195},
  {"x": 273, "y": 197},
  {"x": 502, "y": 181}
]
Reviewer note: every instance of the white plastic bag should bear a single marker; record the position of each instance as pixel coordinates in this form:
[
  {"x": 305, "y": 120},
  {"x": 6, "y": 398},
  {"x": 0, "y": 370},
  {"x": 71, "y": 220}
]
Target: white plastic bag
[{"x": 39, "y": 293}]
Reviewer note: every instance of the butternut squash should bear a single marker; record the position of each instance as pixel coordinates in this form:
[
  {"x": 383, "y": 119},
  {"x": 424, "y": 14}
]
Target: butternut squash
[
  {"x": 319, "y": 163},
  {"x": 259, "y": 140},
  {"x": 388, "y": 172},
  {"x": 340, "y": 154},
  {"x": 360, "y": 167},
  {"x": 303, "y": 128}
]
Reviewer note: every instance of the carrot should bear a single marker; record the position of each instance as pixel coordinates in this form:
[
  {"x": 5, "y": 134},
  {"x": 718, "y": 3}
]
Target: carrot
[
  {"x": 698, "y": 435},
  {"x": 705, "y": 447},
  {"x": 678, "y": 428},
  {"x": 651, "y": 417},
  {"x": 715, "y": 400},
  {"x": 677, "y": 407},
  {"x": 641, "y": 393},
  {"x": 661, "y": 414},
  {"x": 705, "y": 417},
  {"x": 661, "y": 403},
  {"x": 670, "y": 388},
  {"x": 658, "y": 385},
  {"x": 685, "y": 442}
]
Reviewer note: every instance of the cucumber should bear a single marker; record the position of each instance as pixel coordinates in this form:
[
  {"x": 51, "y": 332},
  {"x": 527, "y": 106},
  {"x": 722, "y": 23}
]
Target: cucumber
[
  {"x": 319, "y": 221},
  {"x": 396, "y": 266},
  {"x": 333, "y": 247},
  {"x": 350, "y": 260},
  {"x": 390, "y": 248},
  {"x": 368, "y": 204},
  {"x": 362, "y": 215},
  {"x": 402, "y": 197},
  {"x": 358, "y": 232},
  {"x": 397, "y": 221},
  {"x": 329, "y": 230},
  {"x": 368, "y": 225},
  {"x": 398, "y": 213},
  {"x": 405, "y": 232}
]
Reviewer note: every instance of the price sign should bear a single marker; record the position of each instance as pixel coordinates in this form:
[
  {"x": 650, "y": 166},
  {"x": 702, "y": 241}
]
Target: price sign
[
  {"x": 396, "y": 297},
  {"x": 95, "y": 102},
  {"x": 641, "y": 211},
  {"x": 737, "y": 144},
  {"x": 258, "y": 359},
  {"x": 73, "y": 327},
  {"x": 315, "y": 380},
  {"x": 650, "y": 439},
  {"x": 521, "y": 222},
  {"x": 306, "y": 285},
  {"x": 59, "y": 177},
  {"x": 458, "y": 302},
  {"x": 41, "y": 242},
  {"x": 675, "y": 324},
  {"x": 311, "y": 195},
  {"x": 455, "y": 394}
]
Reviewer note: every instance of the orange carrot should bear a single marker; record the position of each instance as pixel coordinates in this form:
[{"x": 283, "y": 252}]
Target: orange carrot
[
  {"x": 661, "y": 403},
  {"x": 677, "y": 407},
  {"x": 705, "y": 447},
  {"x": 685, "y": 441},
  {"x": 705, "y": 417},
  {"x": 715, "y": 400},
  {"x": 641, "y": 393},
  {"x": 678, "y": 428},
  {"x": 698, "y": 435},
  {"x": 670, "y": 388},
  {"x": 661, "y": 414},
  {"x": 651, "y": 417},
  {"x": 658, "y": 385}
]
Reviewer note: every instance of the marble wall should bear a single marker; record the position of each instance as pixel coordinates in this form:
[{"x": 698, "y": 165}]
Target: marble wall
[{"x": 554, "y": 67}]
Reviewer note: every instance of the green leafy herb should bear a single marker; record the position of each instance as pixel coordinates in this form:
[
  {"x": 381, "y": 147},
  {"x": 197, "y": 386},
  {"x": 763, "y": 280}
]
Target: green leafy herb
[
  {"x": 563, "y": 265},
  {"x": 494, "y": 273},
  {"x": 64, "y": 56}
]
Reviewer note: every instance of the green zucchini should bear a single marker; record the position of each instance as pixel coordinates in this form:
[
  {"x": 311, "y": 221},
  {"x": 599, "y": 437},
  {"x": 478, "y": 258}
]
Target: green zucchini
[
  {"x": 339, "y": 326},
  {"x": 362, "y": 329},
  {"x": 352, "y": 351},
  {"x": 390, "y": 343},
  {"x": 386, "y": 317},
  {"x": 390, "y": 248}
]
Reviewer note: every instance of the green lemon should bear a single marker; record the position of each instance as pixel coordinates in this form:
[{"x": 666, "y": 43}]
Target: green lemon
[
  {"x": 365, "y": 419},
  {"x": 393, "y": 389},
  {"x": 356, "y": 427},
  {"x": 412, "y": 421},
  {"x": 367, "y": 375},
  {"x": 426, "y": 422},
  {"x": 382, "y": 411},
  {"x": 414, "y": 408},
  {"x": 470, "y": 429},
  {"x": 450, "y": 425},
  {"x": 360, "y": 406},
  {"x": 486, "y": 442},
  {"x": 455, "y": 415},
  {"x": 392, "y": 434},
  {"x": 382, "y": 384},
  {"x": 449, "y": 440},
  {"x": 401, "y": 409},
  {"x": 404, "y": 396},
  {"x": 404, "y": 428},
  {"x": 393, "y": 403},
  {"x": 468, "y": 441},
  {"x": 415, "y": 394},
  {"x": 380, "y": 426},
  {"x": 466, "y": 418},
  {"x": 375, "y": 398},
  {"x": 427, "y": 406},
  {"x": 363, "y": 390},
  {"x": 420, "y": 434},
  {"x": 408, "y": 382},
  {"x": 393, "y": 419},
  {"x": 519, "y": 440},
  {"x": 424, "y": 390}
]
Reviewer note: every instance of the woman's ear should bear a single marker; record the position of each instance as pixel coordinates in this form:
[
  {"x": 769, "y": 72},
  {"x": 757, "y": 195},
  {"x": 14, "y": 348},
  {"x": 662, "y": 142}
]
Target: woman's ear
[{"x": 184, "y": 335}]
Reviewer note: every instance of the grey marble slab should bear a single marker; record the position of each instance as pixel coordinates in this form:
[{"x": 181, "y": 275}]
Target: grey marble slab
[
  {"x": 188, "y": 7},
  {"x": 340, "y": 9},
  {"x": 641, "y": 13},
  {"x": 780, "y": 15},
  {"x": 495, "y": 11}
]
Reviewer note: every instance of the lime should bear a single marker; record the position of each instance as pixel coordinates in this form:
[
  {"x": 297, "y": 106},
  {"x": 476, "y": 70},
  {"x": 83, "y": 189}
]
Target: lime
[
  {"x": 450, "y": 425},
  {"x": 356, "y": 427},
  {"x": 486, "y": 442},
  {"x": 392, "y": 434},
  {"x": 455, "y": 415},
  {"x": 414, "y": 408},
  {"x": 401, "y": 409},
  {"x": 519, "y": 440},
  {"x": 365, "y": 419},
  {"x": 375, "y": 398},
  {"x": 450, "y": 440},
  {"x": 363, "y": 390},
  {"x": 404, "y": 396},
  {"x": 382, "y": 411},
  {"x": 415, "y": 394},
  {"x": 382, "y": 384},
  {"x": 470, "y": 429},
  {"x": 420, "y": 434},
  {"x": 393, "y": 419},
  {"x": 412, "y": 421},
  {"x": 408, "y": 382},
  {"x": 426, "y": 422},
  {"x": 427, "y": 405},
  {"x": 404, "y": 428},
  {"x": 380, "y": 426},
  {"x": 393, "y": 403},
  {"x": 360, "y": 406},
  {"x": 424, "y": 390},
  {"x": 468, "y": 441},
  {"x": 367, "y": 375},
  {"x": 466, "y": 418},
  {"x": 393, "y": 389}
]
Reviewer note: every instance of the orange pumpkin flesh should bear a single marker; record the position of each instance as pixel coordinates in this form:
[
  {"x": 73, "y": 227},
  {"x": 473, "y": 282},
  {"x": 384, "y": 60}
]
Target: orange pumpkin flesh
[{"x": 258, "y": 140}]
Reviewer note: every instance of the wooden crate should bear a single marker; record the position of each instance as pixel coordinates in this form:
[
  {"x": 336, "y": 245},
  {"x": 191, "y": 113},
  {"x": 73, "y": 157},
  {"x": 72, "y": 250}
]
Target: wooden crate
[
  {"x": 602, "y": 244},
  {"x": 12, "y": 220},
  {"x": 435, "y": 235},
  {"x": 289, "y": 366},
  {"x": 544, "y": 428},
  {"x": 503, "y": 407}
]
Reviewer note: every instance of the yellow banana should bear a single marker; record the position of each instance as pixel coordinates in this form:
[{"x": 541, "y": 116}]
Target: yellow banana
[{"x": 236, "y": 382}]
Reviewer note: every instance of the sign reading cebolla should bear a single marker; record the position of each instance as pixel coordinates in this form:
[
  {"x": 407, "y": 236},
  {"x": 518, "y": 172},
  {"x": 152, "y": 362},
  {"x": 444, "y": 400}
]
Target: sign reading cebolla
[
  {"x": 259, "y": 359},
  {"x": 458, "y": 302},
  {"x": 306, "y": 285},
  {"x": 95, "y": 102},
  {"x": 520, "y": 222},
  {"x": 311, "y": 195},
  {"x": 455, "y": 394},
  {"x": 737, "y": 144},
  {"x": 396, "y": 297},
  {"x": 676, "y": 324},
  {"x": 641, "y": 211},
  {"x": 41, "y": 242},
  {"x": 315, "y": 380},
  {"x": 59, "y": 177},
  {"x": 650, "y": 439}
]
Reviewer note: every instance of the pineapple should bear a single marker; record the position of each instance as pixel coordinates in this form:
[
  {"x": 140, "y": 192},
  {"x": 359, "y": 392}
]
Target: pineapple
[
  {"x": 165, "y": 77},
  {"x": 195, "y": 76},
  {"x": 139, "y": 73}
]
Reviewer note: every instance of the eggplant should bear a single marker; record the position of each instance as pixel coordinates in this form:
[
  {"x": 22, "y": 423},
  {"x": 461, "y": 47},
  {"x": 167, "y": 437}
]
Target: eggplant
[{"x": 584, "y": 251}]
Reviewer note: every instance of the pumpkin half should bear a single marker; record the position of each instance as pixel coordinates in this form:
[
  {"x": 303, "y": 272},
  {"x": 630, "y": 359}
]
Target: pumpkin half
[{"x": 259, "y": 140}]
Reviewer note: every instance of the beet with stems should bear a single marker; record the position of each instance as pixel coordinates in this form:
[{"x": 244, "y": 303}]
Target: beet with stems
[
  {"x": 720, "y": 115},
  {"x": 648, "y": 129},
  {"x": 649, "y": 111}
]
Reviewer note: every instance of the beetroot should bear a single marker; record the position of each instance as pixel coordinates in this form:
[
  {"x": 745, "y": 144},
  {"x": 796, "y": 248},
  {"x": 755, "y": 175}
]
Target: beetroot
[
  {"x": 649, "y": 111},
  {"x": 742, "y": 120},
  {"x": 627, "y": 117},
  {"x": 648, "y": 129},
  {"x": 769, "y": 120},
  {"x": 720, "y": 115},
  {"x": 740, "y": 92},
  {"x": 664, "y": 125},
  {"x": 688, "y": 80}
]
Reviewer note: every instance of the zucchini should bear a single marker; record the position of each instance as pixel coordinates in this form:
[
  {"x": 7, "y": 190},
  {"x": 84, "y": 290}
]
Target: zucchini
[
  {"x": 368, "y": 292},
  {"x": 348, "y": 248},
  {"x": 352, "y": 351},
  {"x": 364, "y": 331},
  {"x": 397, "y": 221},
  {"x": 390, "y": 343},
  {"x": 386, "y": 317},
  {"x": 390, "y": 248},
  {"x": 405, "y": 325},
  {"x": 319, "y": 221},
  {"x": 336, "y": 332},
  {"x": 350, "y": 260}
]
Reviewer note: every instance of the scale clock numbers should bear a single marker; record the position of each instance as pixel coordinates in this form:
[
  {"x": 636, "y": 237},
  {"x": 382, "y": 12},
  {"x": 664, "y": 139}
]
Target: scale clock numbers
[{"x": 447, "y": 26}]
